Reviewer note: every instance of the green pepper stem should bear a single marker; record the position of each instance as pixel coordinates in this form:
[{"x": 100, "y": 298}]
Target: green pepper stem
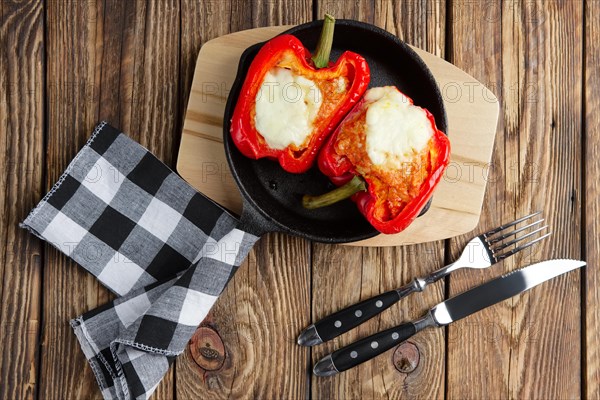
[
  {"x": 357, "y": 184},
  {"x": 321, "y": 56}
]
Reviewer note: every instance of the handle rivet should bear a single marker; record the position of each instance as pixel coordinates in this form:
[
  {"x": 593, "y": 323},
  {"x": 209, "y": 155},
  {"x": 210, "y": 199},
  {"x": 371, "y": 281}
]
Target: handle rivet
[{"x": 406, "y": 357}]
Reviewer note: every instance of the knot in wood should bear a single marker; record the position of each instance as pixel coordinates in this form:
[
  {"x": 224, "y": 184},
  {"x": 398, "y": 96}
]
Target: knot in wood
[
  {"x": 406, "y": 357},
  {"x": 207, "y": 348}
]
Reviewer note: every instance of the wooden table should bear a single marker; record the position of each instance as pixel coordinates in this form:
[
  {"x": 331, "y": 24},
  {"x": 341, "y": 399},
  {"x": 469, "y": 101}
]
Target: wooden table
[{"x": 64, "y": 65}]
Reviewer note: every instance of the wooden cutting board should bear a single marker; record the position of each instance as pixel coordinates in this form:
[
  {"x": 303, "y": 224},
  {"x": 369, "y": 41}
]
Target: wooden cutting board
[{"x": 472, "y": 117}]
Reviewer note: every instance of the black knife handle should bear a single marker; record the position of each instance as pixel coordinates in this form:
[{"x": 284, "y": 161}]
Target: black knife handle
[{"x": 371, "y": 346}]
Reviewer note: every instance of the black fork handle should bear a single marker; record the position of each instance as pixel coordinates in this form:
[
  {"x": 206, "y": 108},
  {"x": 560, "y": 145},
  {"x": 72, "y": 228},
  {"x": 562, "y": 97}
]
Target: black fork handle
[{"x": 344, "y": 320}]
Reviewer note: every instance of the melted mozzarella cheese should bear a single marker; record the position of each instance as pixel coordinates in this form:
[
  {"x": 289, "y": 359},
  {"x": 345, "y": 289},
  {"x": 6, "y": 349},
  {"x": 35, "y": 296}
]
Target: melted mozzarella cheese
[
  {"x": 396, "y": 130},
  {"x": 286, "y": 107}
]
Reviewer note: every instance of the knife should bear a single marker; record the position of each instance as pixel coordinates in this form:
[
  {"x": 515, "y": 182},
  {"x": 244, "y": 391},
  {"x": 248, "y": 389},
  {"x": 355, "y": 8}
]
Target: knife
[{"x": 448, "y": 311}]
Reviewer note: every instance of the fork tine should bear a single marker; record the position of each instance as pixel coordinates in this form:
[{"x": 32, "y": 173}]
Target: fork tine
[
  {"x": 515, "y": 222},
  {"x": 517, "y": 249},
  {"x": 501, "y": 238},
  {"x": 507, "y": 244}
]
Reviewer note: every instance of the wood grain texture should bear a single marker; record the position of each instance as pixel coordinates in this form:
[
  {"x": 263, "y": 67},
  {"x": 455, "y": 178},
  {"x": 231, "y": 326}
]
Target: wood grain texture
[
  {"x": 148, "y": 93},
  {"x": 132, "y": 63},
  {"x": 149, "y": 83},
  {"x": 591, "y": 211},
  {"x": 111, "y": 61},
  {"x": 475, "y": 349},
  {"x": 73, "y": 29},
  {"x": 553, "y": 51},
  {"x": 21, "y": 144},
  {"x": 268, "y": 302},
  {"x": 343, "y": 276},
  {"x": 533, "y": 51}
]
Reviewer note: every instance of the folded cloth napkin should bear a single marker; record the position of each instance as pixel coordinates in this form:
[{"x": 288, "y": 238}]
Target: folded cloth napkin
[{"x": 148, "y": 236}]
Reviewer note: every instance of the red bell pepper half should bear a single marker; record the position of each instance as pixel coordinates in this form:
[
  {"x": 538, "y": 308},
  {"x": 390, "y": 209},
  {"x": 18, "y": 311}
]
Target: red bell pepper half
[
  {"x": 389, "y": 196},
  {"x": 341, "y": 85}
]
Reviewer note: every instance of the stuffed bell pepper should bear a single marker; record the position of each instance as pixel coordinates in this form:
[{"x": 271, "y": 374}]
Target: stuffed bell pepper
[
  {"x": 388, "y": 155},
  {"x": 290, "y": 102}
]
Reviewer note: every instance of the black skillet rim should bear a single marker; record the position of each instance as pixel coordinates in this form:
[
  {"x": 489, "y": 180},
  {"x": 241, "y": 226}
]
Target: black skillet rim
[{"x": 266, "y": 220}]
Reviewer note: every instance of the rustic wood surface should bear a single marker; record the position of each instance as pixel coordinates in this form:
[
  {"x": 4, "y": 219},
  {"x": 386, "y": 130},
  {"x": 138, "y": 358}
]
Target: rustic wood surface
[
  {"x": 64, "y": 65},
  {"x": 533, "y": 53},
  {"x": 591, "y": 191},
  {"x": 22, "y": 72}
]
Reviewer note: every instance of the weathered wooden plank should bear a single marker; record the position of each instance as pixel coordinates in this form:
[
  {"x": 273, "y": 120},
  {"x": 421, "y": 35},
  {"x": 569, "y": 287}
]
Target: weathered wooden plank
[
  {"x": 247, "y": 347},
  {"x": 281, "y": 12},
  {"x": 361, "y": 10},
  {"x": 149, "y": 96},
  {"x": 109, "y": 60},
  {"x": 477, "y": 35},
  {"x": 553, "y": 59},
  {"x": 591, "y": 172},
  {"x": 148, "y": 91},
  {"x": 201, "y": 22},
  {"x": 532, "y": 52},
  {"x": 343, "y": 276},
  {"x": 421, "y": 23},
  {"x": 21, "y": 145},
  {"x": 72, "y": 77}
]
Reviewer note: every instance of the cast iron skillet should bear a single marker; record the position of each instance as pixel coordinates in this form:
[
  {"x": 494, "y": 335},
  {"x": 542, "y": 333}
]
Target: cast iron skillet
[{"x": 271, "y": 196}]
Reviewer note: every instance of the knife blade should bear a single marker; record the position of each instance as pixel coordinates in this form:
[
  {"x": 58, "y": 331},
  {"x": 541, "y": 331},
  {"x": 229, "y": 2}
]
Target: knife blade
[{"x": 453, "y": 309}]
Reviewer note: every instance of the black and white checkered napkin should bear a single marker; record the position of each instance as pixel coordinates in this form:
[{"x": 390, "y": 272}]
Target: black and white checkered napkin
[{"x": 148, "y": 236}]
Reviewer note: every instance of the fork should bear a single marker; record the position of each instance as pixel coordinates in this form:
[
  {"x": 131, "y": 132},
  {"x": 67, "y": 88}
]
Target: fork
[{"x": 493, "y": 249}]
